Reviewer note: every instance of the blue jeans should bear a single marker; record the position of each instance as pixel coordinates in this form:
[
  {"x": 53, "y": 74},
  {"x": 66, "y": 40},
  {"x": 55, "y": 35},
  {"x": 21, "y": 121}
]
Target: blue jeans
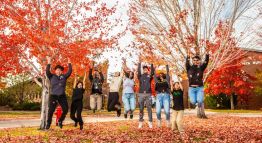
[
  {"x": 196, "y": 95},
  {"x": 129, "y": 102},
  {"x": 163, "y": 100}
]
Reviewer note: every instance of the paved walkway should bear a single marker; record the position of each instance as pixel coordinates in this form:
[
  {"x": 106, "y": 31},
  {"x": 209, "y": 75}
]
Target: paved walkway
[
  {"x": 36, "y": 122},
  {"x": 105, "y": 118}
]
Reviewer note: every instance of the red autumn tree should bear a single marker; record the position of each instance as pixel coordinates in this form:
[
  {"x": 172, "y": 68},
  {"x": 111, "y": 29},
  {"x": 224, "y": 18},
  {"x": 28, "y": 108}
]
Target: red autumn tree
[
  {"x": 32, "y": 30},
  {"x": 168, "y": 29},
  {"x": 230, "y": 81}
]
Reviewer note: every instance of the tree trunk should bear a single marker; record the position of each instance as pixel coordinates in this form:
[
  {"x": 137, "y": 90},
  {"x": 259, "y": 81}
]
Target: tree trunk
[
  {"x": 45, "y": 101},
  {"x": 232, "y": 102}
]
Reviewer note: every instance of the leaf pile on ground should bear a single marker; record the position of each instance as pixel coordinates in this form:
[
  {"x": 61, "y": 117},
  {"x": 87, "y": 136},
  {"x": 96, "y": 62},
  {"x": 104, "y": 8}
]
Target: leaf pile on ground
[{"x": 215, "y": 129}]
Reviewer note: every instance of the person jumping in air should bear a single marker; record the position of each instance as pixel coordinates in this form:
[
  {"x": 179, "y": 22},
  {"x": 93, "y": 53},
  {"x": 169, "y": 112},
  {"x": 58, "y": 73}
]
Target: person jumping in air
[
  {"x": 178, "y": 106},
  {"x": 128, "y": 98},
  {"x": 196, "y": 86},
  {"x": 96, "y": 89},
  {"x": 144, "y": 95},
  {"x": 162, "y": 86},
  {"x": 77, "y": 101},
  {"x": 58, "y": 85},
  {"x": 113, "y": 103}
]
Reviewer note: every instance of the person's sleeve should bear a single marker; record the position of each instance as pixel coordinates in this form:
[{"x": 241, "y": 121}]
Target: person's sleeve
[
  {"x": 204, "y": 65},
  {"x": 139, "y": 71},
  {"x": 90, "y": 76},
  {"x": 155, "y": 78},
  {"x": 69, "y": 72},
  {"x": 102, "y": 77},
  {"x": 152, "y": 70},
  {"x": 48, "y": 73},
  {"x": 167, "y": 75},
  {"x": 187, "y": 63}
]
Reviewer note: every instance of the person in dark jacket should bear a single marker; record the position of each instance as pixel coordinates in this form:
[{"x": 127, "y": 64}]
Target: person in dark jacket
[
  {"x": 144, "y": 95},
  {"x": 196, "y": 86},
  {"x": 77, "y": 101},
  {"x": 162, "y": 86},
  {"x": 96, "y": 89},
  {"x": 58, "y": 85},
  {"x": 178, "y": 106}
]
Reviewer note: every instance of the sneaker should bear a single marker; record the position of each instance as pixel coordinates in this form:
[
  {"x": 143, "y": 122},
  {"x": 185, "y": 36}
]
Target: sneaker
[
  {"x": 60, "y": 124},
  {"x": 150, "y": 125},
  {"x": 47, "y": 127},
  {"x": 81, "y": 127},
  {"x": 118, "y": 113},
  {"x": 140, "y": 125},
  {"x": 159, "y": 123},
  {"x": 198, "y": 112},
  {"x": 131, "y": 116},
  {"x": 125, "y": 115}
]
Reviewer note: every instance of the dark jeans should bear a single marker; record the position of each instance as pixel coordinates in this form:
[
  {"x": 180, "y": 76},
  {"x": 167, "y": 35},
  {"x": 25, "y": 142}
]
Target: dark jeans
[
  {"x": 113, "y": 100},
  {"x": 53, "y": 100},
  {"x": 142, "y": 98},
  {"x": 76, "y": 108}
]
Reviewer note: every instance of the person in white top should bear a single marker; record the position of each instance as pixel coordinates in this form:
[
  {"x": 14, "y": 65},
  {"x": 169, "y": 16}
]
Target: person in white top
[{"x": 113, "y": 103}]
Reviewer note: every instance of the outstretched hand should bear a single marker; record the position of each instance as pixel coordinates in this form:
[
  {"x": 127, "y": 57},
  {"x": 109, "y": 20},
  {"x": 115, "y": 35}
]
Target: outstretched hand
[
  {"x": 49, "y": 59},
  {"x": 91, "y": 64},
  {"x": 68, "y": 60}
]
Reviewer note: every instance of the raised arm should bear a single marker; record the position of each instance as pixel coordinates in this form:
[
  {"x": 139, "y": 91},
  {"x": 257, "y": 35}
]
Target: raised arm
[
  {"x": 152, "y": 70},
  {"x": 167, "y": 74},
  {"x": 102, "y": 77},
  {"x": 205, "y": 63},
  {"x": 84, "y": 81},
  {"x": 90, "y": 76},
  {"x": 179, "y": 81},
  {"x": 188, "y": 63},
  {"x": 139, "y": 71},
  {"x": 68, "y": 73},
  {"x": 48, "y": 67},
  {"x": 155, "y": 77},
  {"x": 75, "y": 80}
]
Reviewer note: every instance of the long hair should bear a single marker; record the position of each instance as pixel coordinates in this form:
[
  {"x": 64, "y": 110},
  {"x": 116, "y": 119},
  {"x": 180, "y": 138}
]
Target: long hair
[
  {"x": 175, "y": 84},
  {"x": 130, "y": 73},
  {"x": 161, "y": 74},
  {"x": 78, "y": 83}
]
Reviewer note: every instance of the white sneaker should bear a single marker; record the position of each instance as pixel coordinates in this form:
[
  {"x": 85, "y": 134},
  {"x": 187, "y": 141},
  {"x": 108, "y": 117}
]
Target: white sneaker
[
  {"x": 159, "y": 123},
  {"x": 196, "y": 106},
  {"x": 140, "y": 125},
  {"x": 150, "y": 125}
]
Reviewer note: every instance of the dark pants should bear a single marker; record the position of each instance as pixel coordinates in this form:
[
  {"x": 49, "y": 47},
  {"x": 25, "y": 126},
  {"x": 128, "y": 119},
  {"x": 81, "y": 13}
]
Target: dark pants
[
  {"x": 113, "y": 100},
  {"x": 76, "y": 108},
  {"x": 54, "y": 99}
]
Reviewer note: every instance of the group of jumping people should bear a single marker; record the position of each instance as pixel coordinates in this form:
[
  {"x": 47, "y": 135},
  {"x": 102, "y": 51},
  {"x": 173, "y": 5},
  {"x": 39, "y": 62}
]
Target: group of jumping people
[{"x": 166, "y": 89}]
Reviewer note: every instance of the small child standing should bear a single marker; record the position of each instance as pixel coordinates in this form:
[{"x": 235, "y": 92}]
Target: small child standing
[{"x": 178, "y": 107}]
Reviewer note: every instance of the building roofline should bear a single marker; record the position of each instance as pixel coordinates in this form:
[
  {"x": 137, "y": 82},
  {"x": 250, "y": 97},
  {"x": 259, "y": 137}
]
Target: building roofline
[{"x": 252, "y": 50}]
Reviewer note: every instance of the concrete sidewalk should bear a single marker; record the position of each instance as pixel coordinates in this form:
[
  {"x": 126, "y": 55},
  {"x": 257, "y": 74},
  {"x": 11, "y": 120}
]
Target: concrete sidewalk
[
  {"x": 104, "y": 118},
  {"x": 36, "y": 122}
]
